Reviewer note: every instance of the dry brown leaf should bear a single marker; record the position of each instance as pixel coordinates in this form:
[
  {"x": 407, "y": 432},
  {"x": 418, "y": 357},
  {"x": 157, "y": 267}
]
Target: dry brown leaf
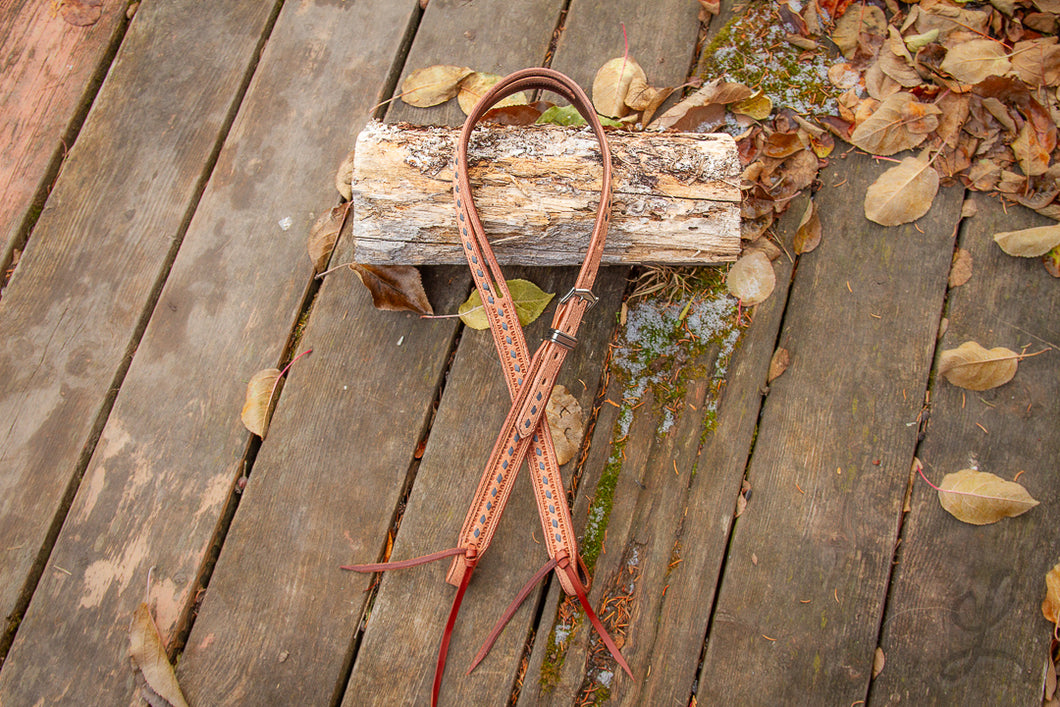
[
  {"x": 751, "y": 278},
  {"x": 972, "y": 61},
  {"x": 888, "y": 129},
  {"x": 778, "y": 364},
  {"x": 395, "y": 288},
  {"x": 960, "y": 268},
  {"x": 903, "y": 193},
  {"x": 149, "y": 654},
  {"x": 1051, "y": 604},
  {"x": 433, "y": 85},
  {"x": 566, "y": 422},
  {"x": 1037, "y": 61},
  {"x": 716, "y": 93},
  {"x": 475, "y": 85},
  {"x": 878, "y": 661},
  {"x": 808, "y": 234},
  {"x": 973, "y": 367},
  {"x": 1029, "y": 242},
  {"x": 81, "y": 13},
  {"x": 1031, "y": 153},
  {"x": 344, "y": 177},
  {"x": 257, "y": 407},
  {"x": 859, "y": 20},
  {"x": 612, "y": 83},
  {"x": 980, "y": 498},
  {"x": 896, "y": 62},
  {"x": 324, "y": 234}
]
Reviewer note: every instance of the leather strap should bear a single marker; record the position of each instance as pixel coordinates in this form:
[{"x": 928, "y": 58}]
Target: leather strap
[{"x": 525, "y": 434}]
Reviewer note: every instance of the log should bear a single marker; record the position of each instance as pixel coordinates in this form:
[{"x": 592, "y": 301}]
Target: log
[{"x": 676, "y": 195}]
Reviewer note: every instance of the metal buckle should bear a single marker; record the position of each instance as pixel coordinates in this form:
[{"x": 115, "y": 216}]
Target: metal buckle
[
  {"x": 586, "y": 295},
  {"x": 561, "y": 339}
]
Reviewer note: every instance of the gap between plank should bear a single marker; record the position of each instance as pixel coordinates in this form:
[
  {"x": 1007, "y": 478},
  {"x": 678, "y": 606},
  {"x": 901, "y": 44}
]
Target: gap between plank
[
  {"x": 961, "y": 228},
  {"x": 103, "y": 415}
]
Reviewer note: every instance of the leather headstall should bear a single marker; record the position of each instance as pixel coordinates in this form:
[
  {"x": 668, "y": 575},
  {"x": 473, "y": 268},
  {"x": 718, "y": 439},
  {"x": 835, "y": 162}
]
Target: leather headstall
[{"x": 525, "y": 434}]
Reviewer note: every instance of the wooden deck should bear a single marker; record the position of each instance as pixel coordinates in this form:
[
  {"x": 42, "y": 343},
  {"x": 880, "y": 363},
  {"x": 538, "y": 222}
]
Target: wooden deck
[{"x": 160, "y": 177}]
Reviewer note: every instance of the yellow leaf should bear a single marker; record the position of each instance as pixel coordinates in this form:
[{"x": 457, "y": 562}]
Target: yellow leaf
[
  {"x": 474, "y": 86},
  {"x": 1051, "y": 605},
  {"x": 751, "y": 278},
  {"x": 147, "y": 650},
  {"x": 257, "y": 407},
  {"x": 612, "y": 83},
  {"x": 1029, "y": 242},
  {"x": 758, "y": 106},
  {"x": 808, "y": 234},
  {"x": 529, "y": 300},
  {"x": 973, "y": 367},
  {"x": 903, "y": 193},
  {"x": 979, "y": 498},
  {"x": 432, "y": 85}
]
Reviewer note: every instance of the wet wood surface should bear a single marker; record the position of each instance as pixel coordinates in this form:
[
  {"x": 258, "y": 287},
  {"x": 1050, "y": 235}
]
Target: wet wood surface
[{"x": 742, "y": 534}]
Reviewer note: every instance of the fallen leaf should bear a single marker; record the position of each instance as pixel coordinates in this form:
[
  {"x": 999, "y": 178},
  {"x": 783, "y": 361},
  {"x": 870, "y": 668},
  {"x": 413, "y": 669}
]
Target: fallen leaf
[
  {"x": 149, "y": 654},
  {"x": 973, "y": 367},
  {"x": 1031, "y": 153},
  {"x": 858, "y": 21},
  {"x": 778, "y": 364},
  {"x": 1051, "y": 261},
  {"x": 344, "y": 177},
  {"x": 903, "y": 193},
  {"x": 808, "y": 234},
  {"x": 611, "y": 85},
  {"x": 888, "y": 129},
  {"x": 529, "y": 300},
  {"x": 1051, "y": 604},
  {"x": 980, "y": 498},
  {"x": 324, "y": 234},
  {"x": 878, "y": 661},
  {"x": 758, "y": 106},
  {"x": 257, "y": 407},
  {"x": 973, "y": 61},
  {"x": 566, "y": 422},
  {"x": 395, "y": 288},
  {"x": 751, "y": 278},
  {"x": 716, "y": 93},
  {"x": 961, "y": 268},
  {"x": 475, "y": 85},
  {"x": 433, "y": 85},
  {"x": 81, "y": 13},
  {"x": 1037, "y": 61},
  {"x": 1029, "y": 242}
]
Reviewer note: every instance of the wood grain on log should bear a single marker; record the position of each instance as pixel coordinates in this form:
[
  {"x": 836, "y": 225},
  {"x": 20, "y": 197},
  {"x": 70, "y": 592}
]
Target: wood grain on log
[{"x": 676, "y": 195}]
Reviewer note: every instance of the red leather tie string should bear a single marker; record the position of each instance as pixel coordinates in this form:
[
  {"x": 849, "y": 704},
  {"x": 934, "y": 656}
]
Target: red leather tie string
[{"x": 525, "y": 434}]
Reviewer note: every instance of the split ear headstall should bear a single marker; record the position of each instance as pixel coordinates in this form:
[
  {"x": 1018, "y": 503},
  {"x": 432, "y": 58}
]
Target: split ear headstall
[{"x": 525, "y": 435}]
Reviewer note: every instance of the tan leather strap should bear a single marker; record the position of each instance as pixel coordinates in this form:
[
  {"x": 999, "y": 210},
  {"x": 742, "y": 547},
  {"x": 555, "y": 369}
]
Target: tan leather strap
[{"x": 525, "y": 434}]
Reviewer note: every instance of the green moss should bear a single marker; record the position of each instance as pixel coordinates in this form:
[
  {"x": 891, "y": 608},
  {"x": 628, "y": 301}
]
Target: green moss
[
  {"x": 603, "y": 500},
  {"x": 555, "y": 655},
  {"x": 752, "y": 49}
]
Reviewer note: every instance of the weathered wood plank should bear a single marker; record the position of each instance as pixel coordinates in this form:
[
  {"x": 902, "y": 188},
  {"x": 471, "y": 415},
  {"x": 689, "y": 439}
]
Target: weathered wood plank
[
  {"x": 676, "y": 478},
  {"x": 74, "y": 309},
  {"x": 809, "y": 561},
  {"x": 662, "y": 41},
  {"x": 676, "y": 195},
  {"x": 51, "y": 68},
  {"x": 411, "y": 608},
  {"x": 963, "y": 624}
]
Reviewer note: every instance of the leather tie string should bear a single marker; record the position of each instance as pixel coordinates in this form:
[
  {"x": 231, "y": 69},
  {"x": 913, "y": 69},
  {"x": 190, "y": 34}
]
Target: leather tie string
[{"x": 525, "y": 433}]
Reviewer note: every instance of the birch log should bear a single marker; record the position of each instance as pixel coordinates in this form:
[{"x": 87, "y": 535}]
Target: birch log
[{"x": 676, "y": 195}]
